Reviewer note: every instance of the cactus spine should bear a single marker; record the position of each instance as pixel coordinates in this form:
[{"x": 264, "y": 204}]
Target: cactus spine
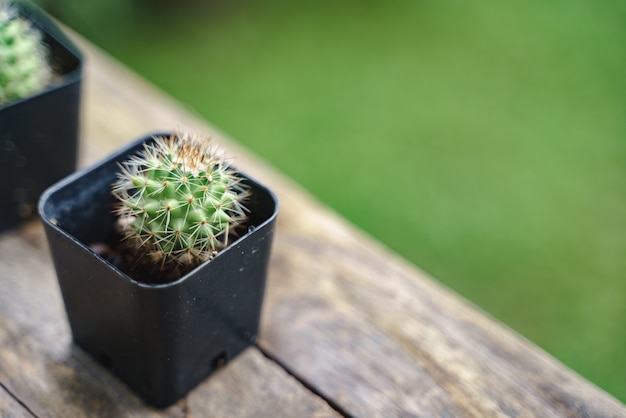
[
  {"x": 179, "y": 202},
  {"x": 24, "y": 64}
]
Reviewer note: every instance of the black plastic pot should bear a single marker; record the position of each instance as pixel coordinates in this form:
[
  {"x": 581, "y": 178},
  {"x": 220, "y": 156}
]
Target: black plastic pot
[
  {"x": 161, "y": 339},
  {"x": 39, "y": 134}
]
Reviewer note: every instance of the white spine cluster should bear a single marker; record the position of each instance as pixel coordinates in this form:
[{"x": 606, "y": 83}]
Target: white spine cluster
[{"x": 179, "y": 200}]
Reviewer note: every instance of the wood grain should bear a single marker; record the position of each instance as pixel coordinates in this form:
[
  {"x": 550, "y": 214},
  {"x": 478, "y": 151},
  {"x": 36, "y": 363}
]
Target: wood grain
[
  {"x": 262, "y": 391},
  {"x": 378, "y": 337},
  {"x": 42, "y": 368},
  {"x": 10, "y": 408},
  {"x": 345, "y": 316}
]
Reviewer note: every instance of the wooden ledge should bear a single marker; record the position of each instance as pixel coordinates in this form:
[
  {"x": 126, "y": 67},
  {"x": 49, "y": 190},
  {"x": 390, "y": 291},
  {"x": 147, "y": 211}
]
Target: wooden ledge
[{"x": 348, "y": 328}]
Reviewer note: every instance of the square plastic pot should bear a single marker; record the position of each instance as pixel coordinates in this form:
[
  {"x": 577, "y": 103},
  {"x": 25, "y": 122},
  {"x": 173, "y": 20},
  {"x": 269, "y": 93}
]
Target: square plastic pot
[
  {"x": 161, "y": 339},
  {"x": 39, "y": 134}
]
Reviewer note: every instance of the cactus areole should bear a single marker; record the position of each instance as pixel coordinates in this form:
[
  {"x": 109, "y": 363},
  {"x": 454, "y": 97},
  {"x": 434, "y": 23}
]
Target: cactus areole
[
  {"x": 24, "y": 62},
  {"x": 179, "y": 204}
]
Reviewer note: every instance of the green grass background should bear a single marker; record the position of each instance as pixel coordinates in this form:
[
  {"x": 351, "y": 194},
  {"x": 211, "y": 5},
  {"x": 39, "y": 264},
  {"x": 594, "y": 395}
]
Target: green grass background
[{"x": 483, "y": 141}]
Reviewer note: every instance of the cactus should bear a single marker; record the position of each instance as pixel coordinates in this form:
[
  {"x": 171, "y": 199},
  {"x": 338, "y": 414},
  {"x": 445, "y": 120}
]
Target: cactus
[
  {"x": 179, "y": 203},
  {"x": 24, "y": 64}
]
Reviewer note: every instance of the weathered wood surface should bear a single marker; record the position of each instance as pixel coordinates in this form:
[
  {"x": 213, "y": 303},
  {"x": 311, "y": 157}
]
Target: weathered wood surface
[
  {"x": 40, "y": 367},
  {"x": 346, "y": 323},
  {"x": 10, "y": 408},
  {"x": 371, "y": 337}
]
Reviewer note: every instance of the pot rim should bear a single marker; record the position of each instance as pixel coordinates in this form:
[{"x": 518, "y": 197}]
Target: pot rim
[{"x": 67, "y": 181}]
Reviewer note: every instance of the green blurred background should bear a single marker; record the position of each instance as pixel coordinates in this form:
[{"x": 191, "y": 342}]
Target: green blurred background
[{"x": 483, "y": 141}]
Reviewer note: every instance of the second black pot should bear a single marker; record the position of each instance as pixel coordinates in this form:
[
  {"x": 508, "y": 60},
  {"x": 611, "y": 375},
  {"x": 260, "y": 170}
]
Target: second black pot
[{"x": 39, "y": 134}]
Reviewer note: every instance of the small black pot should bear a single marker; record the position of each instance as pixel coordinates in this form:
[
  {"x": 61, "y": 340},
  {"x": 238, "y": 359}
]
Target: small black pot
[
  {"x": 161, "y": 339},
  {"x": 39, "y": 134}
]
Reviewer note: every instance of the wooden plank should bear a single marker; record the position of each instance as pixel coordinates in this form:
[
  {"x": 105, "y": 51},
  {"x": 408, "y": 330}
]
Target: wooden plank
[
  {"x": 260, "y": 390},
  {"x": 378, "y": 337},
  {"x": 42, "y": 368},
  {"x": 10, "y": 407}
]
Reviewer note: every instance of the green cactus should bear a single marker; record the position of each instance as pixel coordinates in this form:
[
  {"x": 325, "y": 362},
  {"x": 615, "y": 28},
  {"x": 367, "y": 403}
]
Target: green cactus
[
  {"x": 179, "y": 202},
  {"x": 24, "y": 64}
]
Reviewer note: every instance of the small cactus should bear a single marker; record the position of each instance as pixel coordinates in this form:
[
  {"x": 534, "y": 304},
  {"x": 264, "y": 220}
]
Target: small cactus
[
  {"x": 179, "y": 203},
  {"x": 24, "y": 64}
]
